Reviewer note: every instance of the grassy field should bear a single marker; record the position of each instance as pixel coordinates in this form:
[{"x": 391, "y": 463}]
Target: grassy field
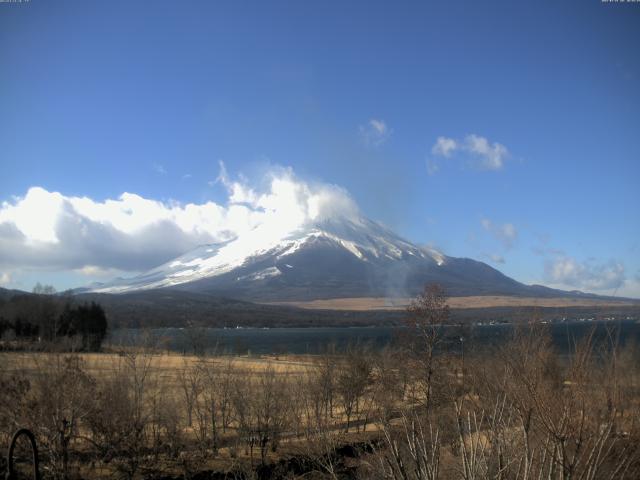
[
  {"x": 377, "y": 303},
  {"x": 166, "y": 365}
]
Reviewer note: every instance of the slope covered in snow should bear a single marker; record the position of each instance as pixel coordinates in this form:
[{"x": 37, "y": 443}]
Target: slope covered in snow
[
  {"x": 330, "y": 258},
  {"x": 367, "y": 241}
]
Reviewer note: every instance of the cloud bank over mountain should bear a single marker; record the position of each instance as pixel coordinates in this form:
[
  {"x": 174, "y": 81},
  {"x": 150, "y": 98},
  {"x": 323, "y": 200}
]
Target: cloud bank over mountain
[{"x": 49, "y": 230}]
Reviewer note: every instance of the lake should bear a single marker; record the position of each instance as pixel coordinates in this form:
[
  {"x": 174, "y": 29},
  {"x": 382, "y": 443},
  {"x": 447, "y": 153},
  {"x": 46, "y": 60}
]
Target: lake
[{"x": 315, "y": 340}]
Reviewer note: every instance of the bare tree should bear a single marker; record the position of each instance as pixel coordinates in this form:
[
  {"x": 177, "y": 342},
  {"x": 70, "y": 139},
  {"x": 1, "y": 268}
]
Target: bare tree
[
  {"x": 427, "y": 314},
  {"x": 325, "y": 381},
  {"x": 263, "y": 410},
  {"x": 212, "y": 400},
  {"x": 62, "y": 397},
  {"x": 412, "y": 449},
  {"x": 190, "y": 381},
  {"x": 120, "y": 423},
  {"x": 353, "y": 375},
  {"x": 225, "y": 387}
]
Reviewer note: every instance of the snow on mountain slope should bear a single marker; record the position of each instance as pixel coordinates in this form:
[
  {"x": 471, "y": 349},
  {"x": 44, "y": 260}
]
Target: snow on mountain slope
[{"x": 366, "y": 241}]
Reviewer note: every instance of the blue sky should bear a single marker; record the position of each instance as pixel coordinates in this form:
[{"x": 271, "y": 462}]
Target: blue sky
[{"x": 504, "y": 131}]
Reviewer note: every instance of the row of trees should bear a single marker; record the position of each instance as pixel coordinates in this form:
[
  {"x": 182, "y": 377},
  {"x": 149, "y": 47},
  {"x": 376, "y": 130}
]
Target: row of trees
[
  {"x": 134, "y": 416},
  {"x": 49, "y": 318}
]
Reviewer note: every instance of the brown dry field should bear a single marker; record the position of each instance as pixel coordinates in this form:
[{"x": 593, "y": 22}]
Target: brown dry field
[
  {"x": 166, "y": 365},
  {"x": 164, "y": 375},
  {"x": 378, "y": 303}
]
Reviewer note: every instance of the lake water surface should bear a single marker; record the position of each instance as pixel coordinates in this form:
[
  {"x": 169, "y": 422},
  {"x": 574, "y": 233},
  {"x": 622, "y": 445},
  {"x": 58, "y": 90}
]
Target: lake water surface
[{"x": 316, "y": 340}]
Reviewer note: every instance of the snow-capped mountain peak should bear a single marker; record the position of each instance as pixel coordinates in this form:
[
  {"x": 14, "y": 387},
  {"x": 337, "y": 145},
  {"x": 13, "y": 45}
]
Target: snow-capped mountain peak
[{"x": 263, "y": 254}]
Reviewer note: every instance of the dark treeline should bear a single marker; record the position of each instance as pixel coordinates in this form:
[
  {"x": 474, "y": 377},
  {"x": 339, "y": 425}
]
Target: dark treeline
[
  {"x": 175, "y": 308},
  {"x": 167, "y": 307},
  {"x": 48, "y": 319}
]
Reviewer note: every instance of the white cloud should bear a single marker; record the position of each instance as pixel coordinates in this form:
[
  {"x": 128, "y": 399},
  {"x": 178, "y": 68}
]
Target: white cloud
[
  {"x": 378, "y": 126},
  {"x": 50, "y": 230},
  {"x": 444, "y": 146},
  {"x": 588, "y": 275},
  {"x": 375, "y": 132},
  {"x": 5, "y": 278},
  {"x": 507, "y": 233},
  {"x": 239, "y": 191},
  {"x": 491, "y": 156},
  {"x": 33, "y": 216}
]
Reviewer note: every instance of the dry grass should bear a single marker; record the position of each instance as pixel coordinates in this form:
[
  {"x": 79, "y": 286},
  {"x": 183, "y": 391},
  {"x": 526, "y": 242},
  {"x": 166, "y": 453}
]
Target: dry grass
[
  {"x": 165, "y": 365},
  {"x": 379, "y": 303}
]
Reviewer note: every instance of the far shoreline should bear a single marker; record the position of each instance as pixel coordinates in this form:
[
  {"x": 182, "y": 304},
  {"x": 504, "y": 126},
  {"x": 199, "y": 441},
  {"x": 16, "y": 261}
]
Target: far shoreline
[{"x": 468, "y": 302}]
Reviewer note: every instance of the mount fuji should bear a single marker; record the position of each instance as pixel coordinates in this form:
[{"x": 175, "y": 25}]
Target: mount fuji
[{"x": 337, "y": 257}]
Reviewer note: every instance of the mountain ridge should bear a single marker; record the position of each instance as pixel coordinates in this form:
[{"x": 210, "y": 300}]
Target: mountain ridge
[{"x": 334, "y": 258}]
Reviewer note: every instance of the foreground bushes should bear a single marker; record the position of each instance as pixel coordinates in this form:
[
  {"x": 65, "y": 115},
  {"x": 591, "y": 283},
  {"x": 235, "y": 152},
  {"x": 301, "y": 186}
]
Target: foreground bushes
[
  {"x": 525, "y": 413},
  {"x": 517, "y": 412}
]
